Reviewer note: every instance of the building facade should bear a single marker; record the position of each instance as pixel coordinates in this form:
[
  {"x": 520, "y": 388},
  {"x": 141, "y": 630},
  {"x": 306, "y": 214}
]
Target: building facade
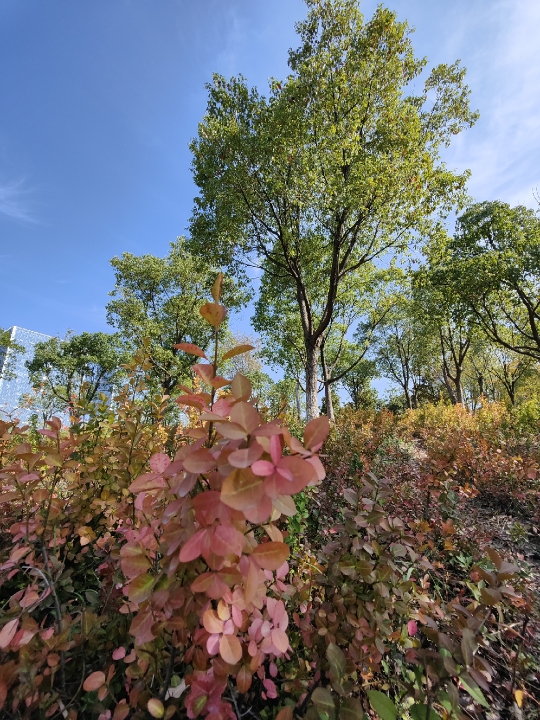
[{"x": 14, "y": 380}]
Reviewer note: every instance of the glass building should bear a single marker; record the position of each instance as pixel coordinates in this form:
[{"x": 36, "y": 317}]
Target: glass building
[{"x": 14, "y": 380}]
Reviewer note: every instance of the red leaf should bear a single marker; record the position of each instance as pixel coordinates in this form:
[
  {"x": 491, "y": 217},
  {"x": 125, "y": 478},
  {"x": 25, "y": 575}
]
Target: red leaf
[
  {"x": 315, "y": 432},
  {"x": 141, "y": 628},
  {"x": 205, "y": 372},
  {"x": 94, "y": 681},
  {"x": 271, "y": 555},
  {"x": 242, "y": 489},
  {"x": 213, "y": 313},
  {"x": 191, "y": 349},
  {"x": 238, "y": 350},
  {"x": 194, "y": 546},
  {"x": 412, "y": 627},
  {"x": 227, "y": 540},
  {"x": 200, "y": 461},
  {"x": 134, "y": 561},
  {"x": 230, "y": 649},
  {"x": 211, "y": 584}
]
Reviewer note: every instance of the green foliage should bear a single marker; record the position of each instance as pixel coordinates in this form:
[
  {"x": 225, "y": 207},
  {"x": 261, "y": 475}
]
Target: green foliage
[
  {"x": 492, "y": 264},
  {"x": 338, "y": 167},
  {"x": 157, "y": 300},
  {"x": 71, "y": 372}
]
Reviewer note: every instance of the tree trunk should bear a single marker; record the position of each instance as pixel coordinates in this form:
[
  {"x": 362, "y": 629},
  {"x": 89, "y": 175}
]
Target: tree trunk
[
  {"x": 312, "y": 381},
  {"x": 450, "y": 389},
  {"x": 298, "y": 412},
  {"x": 327, "y": 389}
]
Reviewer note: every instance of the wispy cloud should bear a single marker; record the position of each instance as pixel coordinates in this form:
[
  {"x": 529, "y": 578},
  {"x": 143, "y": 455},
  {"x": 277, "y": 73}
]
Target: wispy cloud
[
  {"x": 15, "y": 201},
  {"x": 503, "y": 150}
]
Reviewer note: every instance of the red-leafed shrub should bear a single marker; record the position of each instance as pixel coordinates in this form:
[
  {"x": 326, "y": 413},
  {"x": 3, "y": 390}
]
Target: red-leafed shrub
[
  {"x": 127, "y": 560},
  {"x": 146, "y": 570}
]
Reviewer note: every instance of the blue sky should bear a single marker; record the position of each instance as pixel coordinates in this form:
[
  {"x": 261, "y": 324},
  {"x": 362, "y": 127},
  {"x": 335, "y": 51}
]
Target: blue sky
[{"x": 98, "y": 101}]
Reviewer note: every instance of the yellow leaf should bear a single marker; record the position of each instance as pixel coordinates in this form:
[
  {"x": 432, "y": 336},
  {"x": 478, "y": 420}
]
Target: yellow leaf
[{"x": 518, "y": 694}]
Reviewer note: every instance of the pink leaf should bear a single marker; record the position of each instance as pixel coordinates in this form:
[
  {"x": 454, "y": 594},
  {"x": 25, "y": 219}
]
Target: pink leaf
[
  {"x": 194, "y": 546},
  {"x": 159, "y": 462},
  {"x": 7, "y": 633},
  {"x": 412, "y": 627}
]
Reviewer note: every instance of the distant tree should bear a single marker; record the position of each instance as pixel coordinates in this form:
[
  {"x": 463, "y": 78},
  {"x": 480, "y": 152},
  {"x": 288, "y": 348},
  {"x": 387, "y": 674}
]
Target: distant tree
[
  {"x": 74, "y": 370},
  {"x": 339, "y": 167},
  {"x": 493, "y": 264},
  {"x": 7, "y": 360},
  {"x": 157, "y": 300}
]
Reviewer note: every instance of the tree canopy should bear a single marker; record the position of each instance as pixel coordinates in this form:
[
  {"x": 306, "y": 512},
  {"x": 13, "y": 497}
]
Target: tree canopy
[{"x": 336, "y": 169}]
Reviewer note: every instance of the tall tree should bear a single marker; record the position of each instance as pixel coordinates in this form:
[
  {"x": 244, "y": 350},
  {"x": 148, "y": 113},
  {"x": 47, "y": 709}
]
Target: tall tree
[
  {"x": 337, "y": 168},
  {"x": 157, "y": 300}
]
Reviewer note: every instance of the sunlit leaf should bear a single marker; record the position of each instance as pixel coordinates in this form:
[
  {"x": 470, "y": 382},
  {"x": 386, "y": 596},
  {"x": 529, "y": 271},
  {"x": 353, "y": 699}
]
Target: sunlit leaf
[
  {"x": 191, "y": 349},
  {"x": 271, "y": 555},
  {"x": 230, "y": 649},
  {"x": 238, "y": 350},
  {"x": 213, "y": 313}
]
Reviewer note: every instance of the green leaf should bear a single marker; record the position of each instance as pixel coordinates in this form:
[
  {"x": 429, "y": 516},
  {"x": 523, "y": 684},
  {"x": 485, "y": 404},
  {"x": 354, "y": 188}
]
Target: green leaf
[
  {"x": 324, "y": 702},
  {"x": 337, "y": 661},
  {"x": 474, "y": 691},
  {"x": 383, "y": 706},
  {"x": 351, "y": 709},
  {"x": 420, "y": 712}
]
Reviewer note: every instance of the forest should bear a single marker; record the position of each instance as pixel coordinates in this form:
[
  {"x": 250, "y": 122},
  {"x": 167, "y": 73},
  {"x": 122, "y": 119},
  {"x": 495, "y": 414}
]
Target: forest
[{"x": 202, "y": 522}]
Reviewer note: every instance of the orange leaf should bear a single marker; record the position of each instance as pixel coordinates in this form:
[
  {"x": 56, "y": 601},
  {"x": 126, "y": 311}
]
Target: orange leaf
[
  {"x": 219, "y": 381},
  {"x": 241, "y": 387},
  {"x": 211, "y": 622},
  {"x": 271, "y": 555},
  {"x": 315, "y": 432},
  {"x": 229, "y": 430},
  {"x": 285, "y": 713},
  {"x": 191, "y": 349},
  {"x": 147, "y": 482},
  {"x": 242, "y": 489},
  {"x": 213, "y": 313},
  {"x": 244, "y": 679},
  {"x": 94, "y": 681},
  {"x": 238, "y": 350},
  {"x": 200, "y": 461},
  {"x": 217, "y": 287},
  {"x": 230, "y": 649},
  {"x": 245, "y": 415}
]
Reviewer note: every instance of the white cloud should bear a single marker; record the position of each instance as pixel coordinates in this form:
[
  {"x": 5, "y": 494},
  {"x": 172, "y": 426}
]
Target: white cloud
[
  {"x": 503, "y": 150},
  {"x": 15, "y": 201}
]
